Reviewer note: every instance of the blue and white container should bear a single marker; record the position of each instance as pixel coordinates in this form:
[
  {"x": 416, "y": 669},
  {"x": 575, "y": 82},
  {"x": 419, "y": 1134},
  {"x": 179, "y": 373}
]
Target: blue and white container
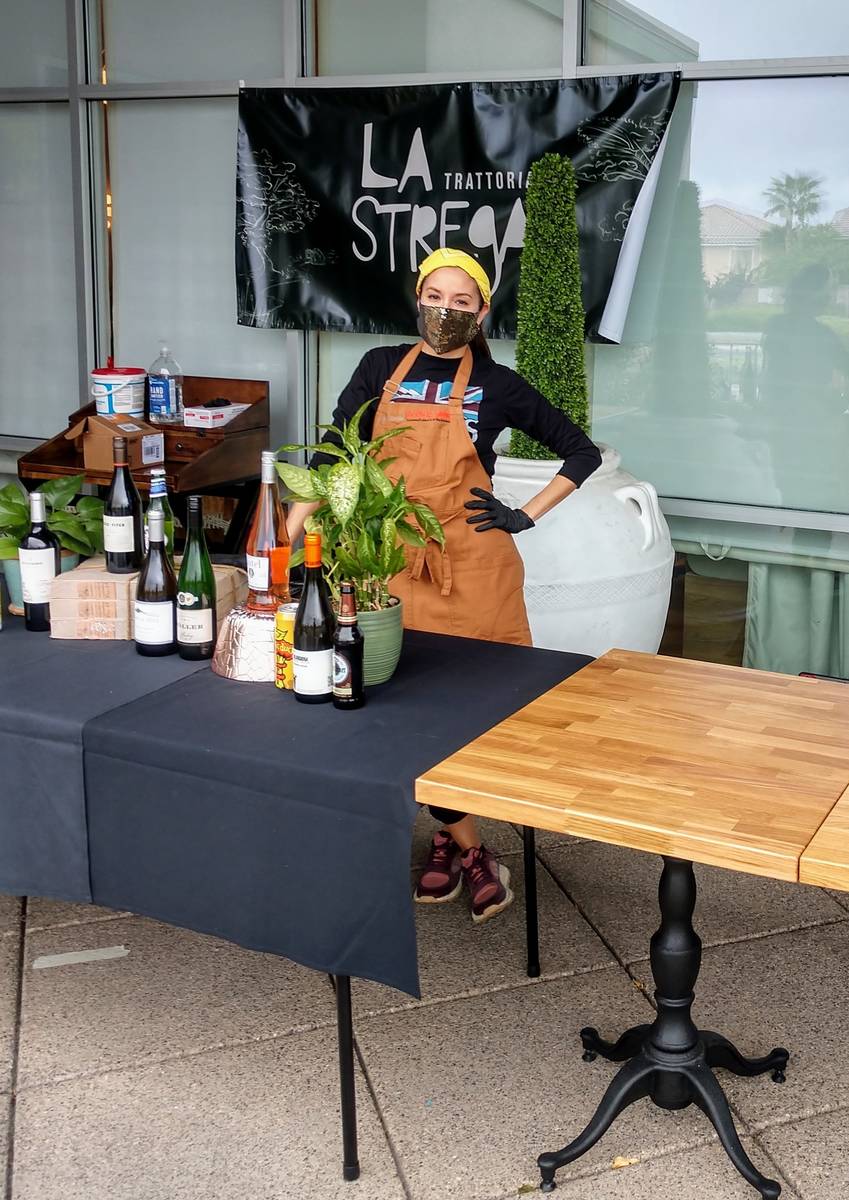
[{"x": 118, "y": 391}]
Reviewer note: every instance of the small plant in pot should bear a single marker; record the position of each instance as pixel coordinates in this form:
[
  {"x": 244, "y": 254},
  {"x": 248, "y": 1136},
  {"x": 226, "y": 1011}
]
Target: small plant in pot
[
  {"x": 365, "y": 521},
  {"x": 78, "y": 526}
]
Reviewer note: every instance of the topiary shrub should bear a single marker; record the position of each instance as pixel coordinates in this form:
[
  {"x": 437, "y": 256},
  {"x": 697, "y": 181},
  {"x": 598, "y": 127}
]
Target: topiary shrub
[{"x": 550, "y": 317}]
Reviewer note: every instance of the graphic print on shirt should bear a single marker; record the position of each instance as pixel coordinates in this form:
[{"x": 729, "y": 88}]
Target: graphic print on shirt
[{"x": 425, "y": 391}]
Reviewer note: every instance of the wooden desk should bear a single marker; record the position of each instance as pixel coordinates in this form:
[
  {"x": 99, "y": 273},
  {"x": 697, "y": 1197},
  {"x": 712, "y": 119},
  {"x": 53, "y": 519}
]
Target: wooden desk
[
  {"x": 826, "y": 860},
  {"x": 696, "y": 762}
]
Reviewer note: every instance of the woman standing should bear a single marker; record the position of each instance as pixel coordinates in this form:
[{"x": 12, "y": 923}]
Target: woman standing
[{"x": 453, "y": 401}]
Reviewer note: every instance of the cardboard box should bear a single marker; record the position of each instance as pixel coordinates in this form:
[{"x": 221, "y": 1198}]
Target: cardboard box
[
  {"x": 145, "y": 445},
  {"x": 211, "y": 418},
  {"x": 89, "y": 603}
]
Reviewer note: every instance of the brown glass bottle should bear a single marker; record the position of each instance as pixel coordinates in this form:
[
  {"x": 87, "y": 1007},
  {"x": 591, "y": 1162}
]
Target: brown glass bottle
[{"x": 348, "y": 646}]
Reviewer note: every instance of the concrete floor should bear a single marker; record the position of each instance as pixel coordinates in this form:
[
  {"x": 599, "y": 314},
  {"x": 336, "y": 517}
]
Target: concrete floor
[{"x": 188, "y": 1069}]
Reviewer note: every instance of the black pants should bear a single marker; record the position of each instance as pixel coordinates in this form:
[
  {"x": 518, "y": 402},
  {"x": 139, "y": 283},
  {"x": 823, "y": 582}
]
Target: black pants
[{"x": 446, "y": 816}]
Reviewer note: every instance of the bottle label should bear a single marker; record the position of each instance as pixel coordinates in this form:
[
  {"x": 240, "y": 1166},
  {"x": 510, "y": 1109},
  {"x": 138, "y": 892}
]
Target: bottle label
[
  {"x": 342, "y": 676},
  {"x": 154, "y": 622},
  {"x": 258, "y": 580},
  {"x": 194, "y": 625},
  {"x": 38, "y": 567},
  {"x": 163, "y": 396},
  {"x": 118, "y": 535},
  {"x": 313, "y": 672}
]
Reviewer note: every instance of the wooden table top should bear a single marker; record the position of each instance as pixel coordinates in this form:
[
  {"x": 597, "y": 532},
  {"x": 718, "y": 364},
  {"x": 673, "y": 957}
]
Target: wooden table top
[
  {"x": 716, "y": 764},
  {"x": 826, "y": 860}
]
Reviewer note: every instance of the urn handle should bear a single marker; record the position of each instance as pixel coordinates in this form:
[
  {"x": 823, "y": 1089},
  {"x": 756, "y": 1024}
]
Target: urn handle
[{"x": 643, "y": 497}]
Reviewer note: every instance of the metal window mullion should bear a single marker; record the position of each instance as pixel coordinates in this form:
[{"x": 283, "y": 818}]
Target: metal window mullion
[
  {"x": 573, "y": 23},
  {"x": 75, "y": 24},
  {"x": 33, "y": 95},
  {"x": 763, "y": 68},
  {"x": 754, "y": 514}
]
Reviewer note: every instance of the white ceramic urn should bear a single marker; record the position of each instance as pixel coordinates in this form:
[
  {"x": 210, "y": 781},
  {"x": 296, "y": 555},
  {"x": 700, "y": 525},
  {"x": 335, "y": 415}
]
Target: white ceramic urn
[{"x": 598, "y": 568}]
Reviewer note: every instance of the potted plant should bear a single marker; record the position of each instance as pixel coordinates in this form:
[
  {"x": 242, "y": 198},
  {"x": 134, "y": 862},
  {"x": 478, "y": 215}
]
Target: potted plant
[
  {"x": 79, "y": 527},
  {"x": 365, "y": 521},
  {"x": 598, "y": 569}
]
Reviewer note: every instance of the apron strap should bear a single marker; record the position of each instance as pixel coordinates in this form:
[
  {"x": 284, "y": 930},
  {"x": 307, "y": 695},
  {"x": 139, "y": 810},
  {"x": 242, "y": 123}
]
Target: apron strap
[
  {"x": 390, "y": 388},
  {"x": 461, "y": 379}
]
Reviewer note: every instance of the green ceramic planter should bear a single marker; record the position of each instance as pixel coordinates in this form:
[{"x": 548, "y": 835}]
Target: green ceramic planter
[
  {"x": 12, "y": 571},
  {"x": 383, "y": 632}
]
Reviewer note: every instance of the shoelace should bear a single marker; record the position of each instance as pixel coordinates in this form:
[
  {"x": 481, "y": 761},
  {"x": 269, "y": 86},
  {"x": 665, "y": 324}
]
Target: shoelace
[
  {"x": 441, "y": 856},
  {"x": 477, "y": 869}
]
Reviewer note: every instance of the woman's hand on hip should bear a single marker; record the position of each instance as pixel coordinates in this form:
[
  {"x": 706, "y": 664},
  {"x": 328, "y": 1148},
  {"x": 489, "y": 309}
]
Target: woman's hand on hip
[{"x": 492, "y": 514}]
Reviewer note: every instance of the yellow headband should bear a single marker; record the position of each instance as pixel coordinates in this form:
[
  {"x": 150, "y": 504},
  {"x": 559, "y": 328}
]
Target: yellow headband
[{"x": 456, "y": 258}]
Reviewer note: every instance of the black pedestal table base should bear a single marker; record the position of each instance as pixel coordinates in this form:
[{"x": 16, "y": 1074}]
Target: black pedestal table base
[
  {"x": 345, "y": 1033},
  {"x": 671, "y": 1060}
]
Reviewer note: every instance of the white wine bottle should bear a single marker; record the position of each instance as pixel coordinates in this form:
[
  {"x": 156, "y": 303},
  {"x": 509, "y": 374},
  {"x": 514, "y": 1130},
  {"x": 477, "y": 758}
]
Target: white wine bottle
[
  {"x": 312, "y": 642},
  {"x": 154, "y": 613}
]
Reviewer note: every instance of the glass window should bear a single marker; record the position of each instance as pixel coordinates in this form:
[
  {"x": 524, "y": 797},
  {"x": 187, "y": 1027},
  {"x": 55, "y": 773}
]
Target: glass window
[
  {"x": 732, "y": 383},
  {"x": 38, "y": 346},
  {"x": 173, "y": 222},
  {"x": 162, "y": 40},
  {"x": 33, "y": 48},
  {"x": 408, "y": 36},
  {"x": 690, "y": 30}
]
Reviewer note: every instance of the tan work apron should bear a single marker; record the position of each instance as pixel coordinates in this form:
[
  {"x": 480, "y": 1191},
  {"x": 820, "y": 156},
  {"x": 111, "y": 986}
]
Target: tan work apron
[{"x": 472, "y": 587}]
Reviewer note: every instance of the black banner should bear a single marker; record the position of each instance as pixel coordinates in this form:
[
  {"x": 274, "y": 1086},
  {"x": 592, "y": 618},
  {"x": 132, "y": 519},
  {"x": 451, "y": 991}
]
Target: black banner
[{"x": 341, "y": 192}]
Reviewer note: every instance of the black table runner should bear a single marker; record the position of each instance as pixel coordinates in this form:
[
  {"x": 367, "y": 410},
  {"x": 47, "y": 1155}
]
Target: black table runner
[
  {"x": 49, "y": 690},
  {"x": 231, "y": 809}
]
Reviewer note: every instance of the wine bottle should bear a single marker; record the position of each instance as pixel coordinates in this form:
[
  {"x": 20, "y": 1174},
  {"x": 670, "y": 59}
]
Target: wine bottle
[
  {"x": 268, "y": 545},
  {"x": 40, "y": 562},
  {"x": 312, "y": 652},
  {"x": 159, "y": 500},
  {"x": 154, "y": 617},
  {"x": 348, "y": 646},
  {"x": 123, "y": 538},
  {"x": 197, "y": 625}
]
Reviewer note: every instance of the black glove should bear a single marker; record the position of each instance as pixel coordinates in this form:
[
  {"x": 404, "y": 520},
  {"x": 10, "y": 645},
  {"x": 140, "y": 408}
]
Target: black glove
[{"x": 495, "y": 515}]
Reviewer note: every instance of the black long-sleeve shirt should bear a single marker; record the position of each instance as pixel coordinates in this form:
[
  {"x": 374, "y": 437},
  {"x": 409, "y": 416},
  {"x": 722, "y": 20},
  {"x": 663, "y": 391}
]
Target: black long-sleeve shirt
[{"x": 496, "y": 399}]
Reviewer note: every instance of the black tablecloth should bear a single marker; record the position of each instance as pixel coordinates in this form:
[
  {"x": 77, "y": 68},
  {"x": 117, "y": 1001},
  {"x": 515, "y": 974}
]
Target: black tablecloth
[
  {"x": 231, "y": 809},
  {"x": 48, "y": 691}
]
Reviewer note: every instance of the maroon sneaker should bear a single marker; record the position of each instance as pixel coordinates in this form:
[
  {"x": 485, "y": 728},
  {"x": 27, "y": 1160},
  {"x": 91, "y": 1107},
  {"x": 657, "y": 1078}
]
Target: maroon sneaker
[
  {"x": 441, "y": 879},
  {"x": 488, "y": 883}
]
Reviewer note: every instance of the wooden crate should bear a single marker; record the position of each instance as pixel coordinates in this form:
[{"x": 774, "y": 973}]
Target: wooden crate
[{"x": 89, "y": 603}]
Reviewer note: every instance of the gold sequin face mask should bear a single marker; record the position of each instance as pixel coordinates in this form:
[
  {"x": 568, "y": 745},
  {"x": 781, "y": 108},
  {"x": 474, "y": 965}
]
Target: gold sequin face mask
[{"x": 446, "y": 329}]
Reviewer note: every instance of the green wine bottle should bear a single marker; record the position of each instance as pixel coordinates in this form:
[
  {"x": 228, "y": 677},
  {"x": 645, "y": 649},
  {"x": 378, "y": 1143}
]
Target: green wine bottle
[{"x": 196, "y": 618}]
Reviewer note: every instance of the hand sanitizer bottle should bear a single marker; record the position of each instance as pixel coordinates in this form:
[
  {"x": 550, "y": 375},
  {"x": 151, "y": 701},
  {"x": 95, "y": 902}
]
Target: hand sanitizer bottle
[{"x": 165, "y": 390}]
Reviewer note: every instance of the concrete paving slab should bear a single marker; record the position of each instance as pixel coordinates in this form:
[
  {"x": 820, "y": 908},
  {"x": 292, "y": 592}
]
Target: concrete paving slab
[
  {"x": 791, "y": 990},
  {"x": 690, "y": 1175},
  {"x": 47, "y": 914},
  {"x": 499, "y": 836},
  {"x": 174, "y": 993},
  {"x": 457, "y": 957},
  {"x": 10, "y": 914},
  {"x": 473, "y": 1090},
  {"x": 257, "y": 1122},
  {"x": 812, "y": 1153},
  {"x": 842, "y": 898},
  {"x": 617, "y": 890},
  {"x": 5, "y": 1103},
  {"x": 9, "y": 979},
  {"x": 547, "y": 839}
]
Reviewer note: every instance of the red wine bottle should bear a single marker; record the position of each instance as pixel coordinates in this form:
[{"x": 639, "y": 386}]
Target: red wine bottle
[
  {"x": 39, "y": 556},
  {"x": 312, "y": 653},
  {"x": 123, "y": 529}
]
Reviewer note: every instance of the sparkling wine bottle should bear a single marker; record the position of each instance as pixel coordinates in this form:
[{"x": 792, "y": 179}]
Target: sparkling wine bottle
[
  {"x": 196, "y": 619},
  {"x": 159, "y": 500},
  {"x": 123, "y": 536},
  {"x": 312, "y": 654},
  {"x": 154, "y": 616},
  {"x": 39, "y": 559},
  {"x": 348, "y": 646},
  {"x": 268, "y": 545}
]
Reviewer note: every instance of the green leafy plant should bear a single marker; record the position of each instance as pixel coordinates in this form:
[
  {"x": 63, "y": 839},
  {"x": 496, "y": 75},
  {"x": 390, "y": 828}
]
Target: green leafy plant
[
  {"x": 550, "y": 315},
  {"x": 365, "y": 520},
  {"x": 79, "y": 526}
]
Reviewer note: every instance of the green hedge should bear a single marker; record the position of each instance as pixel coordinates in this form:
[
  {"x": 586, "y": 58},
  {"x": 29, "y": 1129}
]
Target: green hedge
[{"x": 550, "y": 318}]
